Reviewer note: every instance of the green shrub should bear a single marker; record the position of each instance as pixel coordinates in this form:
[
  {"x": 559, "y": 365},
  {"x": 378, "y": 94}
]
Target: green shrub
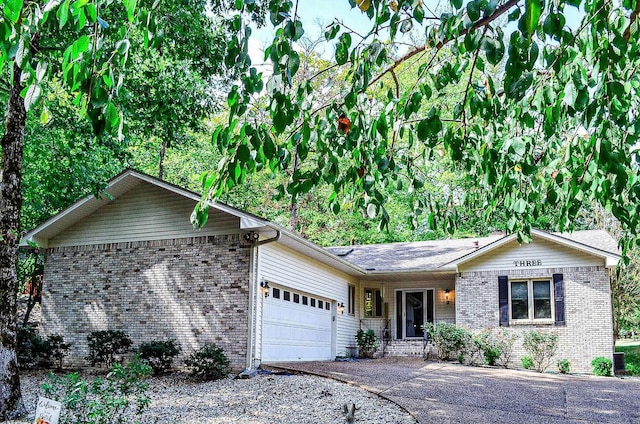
[
  {"x": 32, "y": 350},
  {"x": 541, "y": 347},
  {"x": 104, "y": 400},
  {"x": 159, "y": 354},
  {"x": 527, "y": 362},
  {"x": 367, "y": 343},
  {"x": 602, "y": 366},
  {"x": 448, "y": 339},
  {"x": 208, "y": 363},
  {"x": 36, "y": 351},
  {"x": 505, "y": 342},
  {"x": 105, "y": 345},
  {"x": 564, "y": 366}
]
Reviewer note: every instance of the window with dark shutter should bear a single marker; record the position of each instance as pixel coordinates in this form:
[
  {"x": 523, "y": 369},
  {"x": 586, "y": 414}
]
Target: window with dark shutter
[
  {"x": 503, "y": 301},
  {"x": 558, "y": 292}
]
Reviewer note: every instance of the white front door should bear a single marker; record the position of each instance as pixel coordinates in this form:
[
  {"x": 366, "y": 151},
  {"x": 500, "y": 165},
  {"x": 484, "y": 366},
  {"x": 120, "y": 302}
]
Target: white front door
[
  {"x": 414, "y": 308},
  {"x": 296, "y": 327}
]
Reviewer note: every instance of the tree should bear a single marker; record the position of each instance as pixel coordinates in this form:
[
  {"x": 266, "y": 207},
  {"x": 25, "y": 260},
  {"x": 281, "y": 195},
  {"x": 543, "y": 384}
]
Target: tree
[
  {"x": 547, "y": 116},
  {"x": 63, "y": 39}
]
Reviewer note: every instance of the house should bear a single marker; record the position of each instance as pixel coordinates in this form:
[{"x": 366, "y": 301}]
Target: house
[{"x": 132, "y": 261}]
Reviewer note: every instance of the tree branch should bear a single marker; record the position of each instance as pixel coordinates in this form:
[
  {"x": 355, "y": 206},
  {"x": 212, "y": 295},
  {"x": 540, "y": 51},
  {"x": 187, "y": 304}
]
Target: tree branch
[
  {"x": 481, "y": 23},
  {"x": 634, "y": 18}
]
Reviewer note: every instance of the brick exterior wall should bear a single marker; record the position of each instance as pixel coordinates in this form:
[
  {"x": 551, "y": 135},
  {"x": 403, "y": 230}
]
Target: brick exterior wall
[
  {"x": 588, "y": 332},
  {"x": 194, "y": 290}
]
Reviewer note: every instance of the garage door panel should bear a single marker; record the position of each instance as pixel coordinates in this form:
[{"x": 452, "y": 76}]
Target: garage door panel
[{"x": 294, "y": 331}]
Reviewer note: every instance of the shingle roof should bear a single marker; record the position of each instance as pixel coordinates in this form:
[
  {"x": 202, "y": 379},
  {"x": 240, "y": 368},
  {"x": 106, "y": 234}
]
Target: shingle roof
[
  {"x": 412, "y": 255},
  {"x": 430, "y": 255}
]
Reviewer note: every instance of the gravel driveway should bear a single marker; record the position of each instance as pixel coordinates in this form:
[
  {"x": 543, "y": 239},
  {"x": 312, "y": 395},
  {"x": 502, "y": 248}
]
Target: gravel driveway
[
  {"x": 450, "y": 393},
  {"x": 266, "y": 398}
]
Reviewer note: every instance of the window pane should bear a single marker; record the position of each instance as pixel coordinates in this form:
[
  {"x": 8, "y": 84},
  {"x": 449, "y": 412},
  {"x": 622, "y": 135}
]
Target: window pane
[
  {"x": 320, "y": 304},
  {"x": 368, "y": 303},
  {"x": 305, "y": 300},
  {"x": 378, "y": 303},
  {"x": 352, "y": 300},
  {"x": 276, "y": 293},
  {"x": 519, "y": 300},
  {"x": 313, "y": 302},
  {"x": 542, "y": 300},
  {"x": 296, "y": 298},
  {"x": 287, "y": 296}
]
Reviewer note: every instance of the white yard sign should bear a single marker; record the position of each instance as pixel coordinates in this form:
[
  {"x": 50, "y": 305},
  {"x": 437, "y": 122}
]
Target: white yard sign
[{"x": 47, "y": 411}]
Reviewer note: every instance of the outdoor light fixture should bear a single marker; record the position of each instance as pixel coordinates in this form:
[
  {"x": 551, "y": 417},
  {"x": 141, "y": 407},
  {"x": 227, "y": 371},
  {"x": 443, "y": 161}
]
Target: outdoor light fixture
[
  {"x": 446, "y": 296},
  {"x": 251, "y": 236},
  {"x": 341, "y": 308},
  {"x": 265, "y": 288}
]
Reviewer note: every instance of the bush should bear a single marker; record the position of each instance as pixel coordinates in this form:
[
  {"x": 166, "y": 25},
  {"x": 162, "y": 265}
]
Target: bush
[
  {"x": 602, "y": 366},
  {"x": 527, "y": 362},
  {"x": 159, "y": 354},
  {"x": 447, "y": 339},
  {"x": 103, "y": 400},
  {"x": 541, "y": 347},
  {"x": 34, "y": 350},
  {"x": 208, "y": 363},
  {"x": 105, "y": 345},
  {"x": 564, "y": 366},
  {"x": 367, "y": 343}
]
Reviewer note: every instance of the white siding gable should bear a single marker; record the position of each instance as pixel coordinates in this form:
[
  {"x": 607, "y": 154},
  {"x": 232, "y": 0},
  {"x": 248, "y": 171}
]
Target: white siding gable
[
  {"x": 540, "y": 253},
  {"x": 146, "y": 212}
]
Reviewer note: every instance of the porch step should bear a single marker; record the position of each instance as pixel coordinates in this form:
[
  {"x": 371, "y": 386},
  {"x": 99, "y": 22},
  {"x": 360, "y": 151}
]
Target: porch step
[{"x": 406, "y": 348}]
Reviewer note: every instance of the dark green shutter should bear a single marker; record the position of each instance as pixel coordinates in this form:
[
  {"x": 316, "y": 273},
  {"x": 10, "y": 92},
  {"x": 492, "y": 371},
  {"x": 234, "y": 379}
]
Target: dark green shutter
[
  {"x": 558, "y": 294},
  {"x": 503, "y": 294}
]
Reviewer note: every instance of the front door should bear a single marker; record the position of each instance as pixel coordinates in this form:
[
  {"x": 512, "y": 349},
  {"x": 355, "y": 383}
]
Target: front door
[{"x": 414, "y": 308}]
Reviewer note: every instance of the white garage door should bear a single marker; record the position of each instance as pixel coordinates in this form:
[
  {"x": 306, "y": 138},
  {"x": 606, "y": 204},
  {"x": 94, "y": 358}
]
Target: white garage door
[{"x": 296, "y": 327}]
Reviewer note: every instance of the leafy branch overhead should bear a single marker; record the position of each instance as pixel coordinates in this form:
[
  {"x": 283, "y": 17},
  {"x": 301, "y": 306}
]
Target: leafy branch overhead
[{"x": 540, "y": 112}]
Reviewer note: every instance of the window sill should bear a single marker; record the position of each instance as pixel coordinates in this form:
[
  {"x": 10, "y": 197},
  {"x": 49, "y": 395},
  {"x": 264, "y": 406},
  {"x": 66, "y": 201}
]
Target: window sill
[{"x": 532, "y": 322}]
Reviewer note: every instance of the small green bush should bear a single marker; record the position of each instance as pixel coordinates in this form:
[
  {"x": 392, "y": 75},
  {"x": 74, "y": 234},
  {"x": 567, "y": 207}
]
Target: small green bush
[
  {"x": 104, "y": 400},
  {"x": 527, "y": 362},
  {"x": 367, "y": 343},
  {"x": 159, "y": 354},
  {"x": 448, "y": 339},
  {"x": 564, "y": 366},
  {"x": 541, "y": 347},
  {"x": 36, "y": 351},
  {"x": 208, "y": 363},
  {"x": 105, "y": 345},
  {"x": 602, "y": 366}
]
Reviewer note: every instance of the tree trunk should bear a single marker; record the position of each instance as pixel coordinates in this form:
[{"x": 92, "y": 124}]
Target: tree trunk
[
  {"x": 11, "y": 405},
  {"x": 163, "y": 152}
]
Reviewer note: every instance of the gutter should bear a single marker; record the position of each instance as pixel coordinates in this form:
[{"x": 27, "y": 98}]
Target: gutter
[{"x": 253, "y": 287}]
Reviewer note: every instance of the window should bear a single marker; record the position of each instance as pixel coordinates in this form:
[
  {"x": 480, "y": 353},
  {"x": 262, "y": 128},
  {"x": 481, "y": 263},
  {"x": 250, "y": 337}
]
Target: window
[
  {"x": 351, "y": 300},
  {"x": 313, "y": 302},
  {"x": 276, "y": 293},
  {"x": 287, "y": 296},
  {"x": 320, "y": 304},
  {"x": 531, "y": 300},
  {"x": 372, "y": 303},
  {"x": 305, "y": 300},
  {"x": 327, "y": 306},
  {"x": 296, "y": 298}
]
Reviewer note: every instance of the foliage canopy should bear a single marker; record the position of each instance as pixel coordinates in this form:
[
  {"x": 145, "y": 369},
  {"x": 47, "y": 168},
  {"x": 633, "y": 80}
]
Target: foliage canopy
[{"x": 544, "y": 114}]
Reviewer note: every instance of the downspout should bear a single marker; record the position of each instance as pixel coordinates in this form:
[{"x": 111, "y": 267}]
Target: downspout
[{"x": 253, "y": 290}]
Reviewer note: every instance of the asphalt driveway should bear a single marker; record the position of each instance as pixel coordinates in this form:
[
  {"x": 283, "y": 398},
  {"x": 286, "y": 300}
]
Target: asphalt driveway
[{"x": 449, "y": 393}]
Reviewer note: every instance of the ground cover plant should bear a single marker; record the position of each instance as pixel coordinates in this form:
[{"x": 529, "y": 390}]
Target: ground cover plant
[
  {"x": 101, "y": 400},
  {"x": 367, "y": 343}
]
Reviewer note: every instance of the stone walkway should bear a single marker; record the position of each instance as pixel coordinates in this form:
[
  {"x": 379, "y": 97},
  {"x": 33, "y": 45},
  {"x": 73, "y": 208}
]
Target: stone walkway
[{"x": 450, "y": 393}]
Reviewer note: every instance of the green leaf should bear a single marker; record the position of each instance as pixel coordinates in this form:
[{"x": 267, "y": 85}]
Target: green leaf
[
  {"x": 519, "y": 206},
  {"x": 131, "y": 8},
  {"x": 342, "y": 49},
  {"x": 32, "y": 96},
  {"x": 456, "y": 3},
  {"x": 63, "y": 14},
  {"x": 473, "y": 10},
  {"x": 41, "y": 70},
  {"x": 529, "y": 21},
  {"x": 12, "y": 10}
]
